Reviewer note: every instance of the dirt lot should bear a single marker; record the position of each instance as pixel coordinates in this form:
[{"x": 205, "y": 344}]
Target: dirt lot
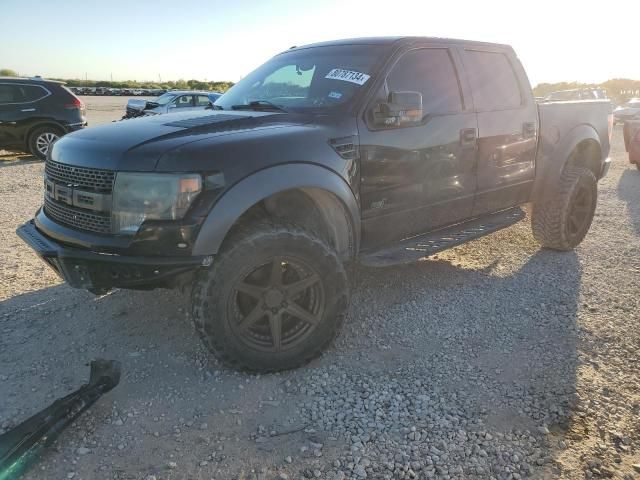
[{"x": 493, "y": 360}]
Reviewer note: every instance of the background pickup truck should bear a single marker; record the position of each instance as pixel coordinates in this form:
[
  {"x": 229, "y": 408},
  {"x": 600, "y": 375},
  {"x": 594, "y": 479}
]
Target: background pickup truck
[{"x": 378, "y": 151}]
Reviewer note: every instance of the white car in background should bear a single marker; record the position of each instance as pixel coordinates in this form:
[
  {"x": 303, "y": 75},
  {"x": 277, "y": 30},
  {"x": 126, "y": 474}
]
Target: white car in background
[
  {"x": 627, "y": 111},
  {"x": 173, "y": 101}
]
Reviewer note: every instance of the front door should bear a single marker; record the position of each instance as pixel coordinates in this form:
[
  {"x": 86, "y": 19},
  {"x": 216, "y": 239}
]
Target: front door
[
  {"x": 507, "y": 128},
  {"x": 418, "y": 178},
  {"x": 183, "y": 103}
]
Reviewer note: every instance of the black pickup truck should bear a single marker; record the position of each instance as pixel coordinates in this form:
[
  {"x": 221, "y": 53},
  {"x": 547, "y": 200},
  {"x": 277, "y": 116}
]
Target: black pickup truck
[{"x": 375, "y": 151}]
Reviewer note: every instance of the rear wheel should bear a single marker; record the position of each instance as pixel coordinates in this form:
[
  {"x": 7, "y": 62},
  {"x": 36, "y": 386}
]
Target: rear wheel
[
  {"x": 42, "y": 139},
  {"x": 274, "y": 298},
  {"x": 562, "y": 221}
]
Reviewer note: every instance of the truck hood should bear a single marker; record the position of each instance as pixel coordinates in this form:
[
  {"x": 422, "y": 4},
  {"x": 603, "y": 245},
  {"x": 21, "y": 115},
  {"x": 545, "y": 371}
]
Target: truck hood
[
  {"x": 137, "y": 144},
  {"x": 139, "y": 104}
]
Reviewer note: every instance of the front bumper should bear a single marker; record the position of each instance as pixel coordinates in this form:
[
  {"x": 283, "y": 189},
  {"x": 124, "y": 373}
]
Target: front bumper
[
  {"x": 92, "y": 270},
  {"x": 73, "y": 127}
]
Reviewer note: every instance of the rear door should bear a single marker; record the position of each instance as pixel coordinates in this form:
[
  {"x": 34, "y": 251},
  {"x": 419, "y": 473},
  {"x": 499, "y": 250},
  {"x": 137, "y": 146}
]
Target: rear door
[
  {"x": 183, "y": 103},
  {"x": 417, "y": 178},
  {"x": 202, "y": 102},
  {"x": 19, "y": 104},
  {"x": 9, "y": 115},
  {"x": 507, "y": 127}
]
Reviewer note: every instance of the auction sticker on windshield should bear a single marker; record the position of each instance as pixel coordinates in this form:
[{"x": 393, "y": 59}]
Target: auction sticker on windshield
[{"x": 347, "y": 76}]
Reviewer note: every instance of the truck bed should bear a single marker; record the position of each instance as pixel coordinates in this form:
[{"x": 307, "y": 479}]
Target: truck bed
[{"x": 558, "y": 119}]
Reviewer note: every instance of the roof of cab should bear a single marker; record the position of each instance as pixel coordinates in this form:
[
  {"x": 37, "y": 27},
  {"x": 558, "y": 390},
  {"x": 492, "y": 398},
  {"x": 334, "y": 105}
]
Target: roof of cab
[{"x": 400, "y": 41}]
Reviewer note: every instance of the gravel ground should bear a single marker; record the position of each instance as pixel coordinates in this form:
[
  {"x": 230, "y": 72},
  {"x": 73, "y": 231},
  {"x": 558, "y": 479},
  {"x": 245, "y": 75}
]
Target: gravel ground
[{"x": 493, "y": 360}]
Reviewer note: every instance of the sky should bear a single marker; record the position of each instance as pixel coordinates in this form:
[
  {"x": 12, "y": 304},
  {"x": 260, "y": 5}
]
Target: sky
[{"x": 148, "y": 40}]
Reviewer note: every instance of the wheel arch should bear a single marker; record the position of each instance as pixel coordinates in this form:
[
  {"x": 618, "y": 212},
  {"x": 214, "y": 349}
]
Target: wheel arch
[
  {"x": 40, "y": 124},
  {"x": 304, "y": 193},
  {"x": 580, "y": 147}
]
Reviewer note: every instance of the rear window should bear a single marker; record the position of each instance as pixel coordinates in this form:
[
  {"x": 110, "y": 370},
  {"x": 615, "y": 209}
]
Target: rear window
[
  {"x": 69, "y": 91},
  {"x": 493, "y": 81}
]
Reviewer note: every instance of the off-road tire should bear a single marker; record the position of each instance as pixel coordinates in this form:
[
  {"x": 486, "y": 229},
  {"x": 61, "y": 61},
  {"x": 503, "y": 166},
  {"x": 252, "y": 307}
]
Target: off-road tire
[
  {"x": 250, "y": 246},
  {"x": 39, "y": 133},
  {"x": 550, "y": 218}
]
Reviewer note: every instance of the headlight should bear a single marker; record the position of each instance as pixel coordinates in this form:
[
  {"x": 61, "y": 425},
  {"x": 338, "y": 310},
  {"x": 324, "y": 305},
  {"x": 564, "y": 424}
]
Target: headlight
[{"x": 151, "y": 196}]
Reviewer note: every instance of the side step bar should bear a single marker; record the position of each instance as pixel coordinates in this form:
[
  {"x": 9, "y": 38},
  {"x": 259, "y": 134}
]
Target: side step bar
[{"x": 412, "y": 249}]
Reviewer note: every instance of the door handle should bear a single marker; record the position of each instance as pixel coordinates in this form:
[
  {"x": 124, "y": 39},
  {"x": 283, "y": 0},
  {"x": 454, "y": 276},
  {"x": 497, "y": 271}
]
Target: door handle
[
  {"x": 529, "y": 129},
  {"x": 28, "y": 110},
  {"x": 468, "y": 137}
]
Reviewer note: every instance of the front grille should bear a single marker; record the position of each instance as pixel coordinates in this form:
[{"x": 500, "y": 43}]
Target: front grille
[
  {"x": 76, "y": 217},
  {"x": 133, "y": 113},
  {"x": 80, "y": 177}
]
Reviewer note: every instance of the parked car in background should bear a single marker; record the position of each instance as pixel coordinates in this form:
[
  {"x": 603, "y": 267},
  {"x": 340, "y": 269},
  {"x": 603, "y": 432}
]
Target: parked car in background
[
  {"x": 35, "y": 112},
  {"x": 576, "y": 94},
  {"x": 627, "y": 111},
  {"x": 173, "y": 101},
  {"x": 213, "y": 96},
  {"x": 631, "y": 132}
]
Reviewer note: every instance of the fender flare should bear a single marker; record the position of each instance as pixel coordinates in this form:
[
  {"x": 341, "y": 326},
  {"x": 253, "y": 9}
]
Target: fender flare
[
  {"x": 261, "y": 185},
  {"x": 553, "y": 163}
]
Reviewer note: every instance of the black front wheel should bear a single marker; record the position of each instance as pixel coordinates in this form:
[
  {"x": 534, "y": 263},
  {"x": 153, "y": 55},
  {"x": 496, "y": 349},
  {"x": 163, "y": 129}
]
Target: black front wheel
[{"x": 274, "y": 298}]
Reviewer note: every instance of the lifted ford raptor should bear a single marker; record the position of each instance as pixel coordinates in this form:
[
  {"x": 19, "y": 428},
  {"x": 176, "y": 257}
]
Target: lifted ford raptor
[{"x": 376, "y": 151}]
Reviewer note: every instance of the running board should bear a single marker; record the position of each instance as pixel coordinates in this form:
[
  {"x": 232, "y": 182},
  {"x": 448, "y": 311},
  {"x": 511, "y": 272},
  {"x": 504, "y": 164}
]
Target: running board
[{"x": 415, "y": 248}]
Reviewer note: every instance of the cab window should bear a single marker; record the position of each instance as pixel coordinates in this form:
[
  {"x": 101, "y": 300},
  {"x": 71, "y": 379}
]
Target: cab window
[
  {"x": 184, "y": 101},
  {"x": 431, "y": 72},
  {"x": 202, "y": 101},
  {"x": 493, "y": 81}
]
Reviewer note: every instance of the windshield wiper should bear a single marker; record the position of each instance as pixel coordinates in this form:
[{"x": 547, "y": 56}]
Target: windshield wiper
[{"x": 259, "y": 105}]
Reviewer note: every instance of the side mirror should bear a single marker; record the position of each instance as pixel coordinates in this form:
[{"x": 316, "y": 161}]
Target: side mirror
[
  {"x": 172, "y": 105},
  {"x": 402, "y": 109}
]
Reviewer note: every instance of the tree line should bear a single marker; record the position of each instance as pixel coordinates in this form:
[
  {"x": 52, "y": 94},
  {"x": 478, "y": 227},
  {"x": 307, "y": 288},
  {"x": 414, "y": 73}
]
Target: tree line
[{"x": 217, "y": 86}]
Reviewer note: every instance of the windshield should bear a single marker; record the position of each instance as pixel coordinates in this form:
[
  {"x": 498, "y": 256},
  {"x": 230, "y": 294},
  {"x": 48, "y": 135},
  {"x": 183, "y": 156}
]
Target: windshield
[
  {"x": 165, "y": 98},
  {"x": 310, "y": 78}
]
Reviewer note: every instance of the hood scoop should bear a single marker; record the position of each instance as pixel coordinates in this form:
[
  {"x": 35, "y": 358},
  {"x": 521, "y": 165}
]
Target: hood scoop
[{"x": 206, "y": 120}]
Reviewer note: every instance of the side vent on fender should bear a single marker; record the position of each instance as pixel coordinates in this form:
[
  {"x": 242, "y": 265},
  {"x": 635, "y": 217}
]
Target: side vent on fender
[{"x": 346, "y": 147}]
